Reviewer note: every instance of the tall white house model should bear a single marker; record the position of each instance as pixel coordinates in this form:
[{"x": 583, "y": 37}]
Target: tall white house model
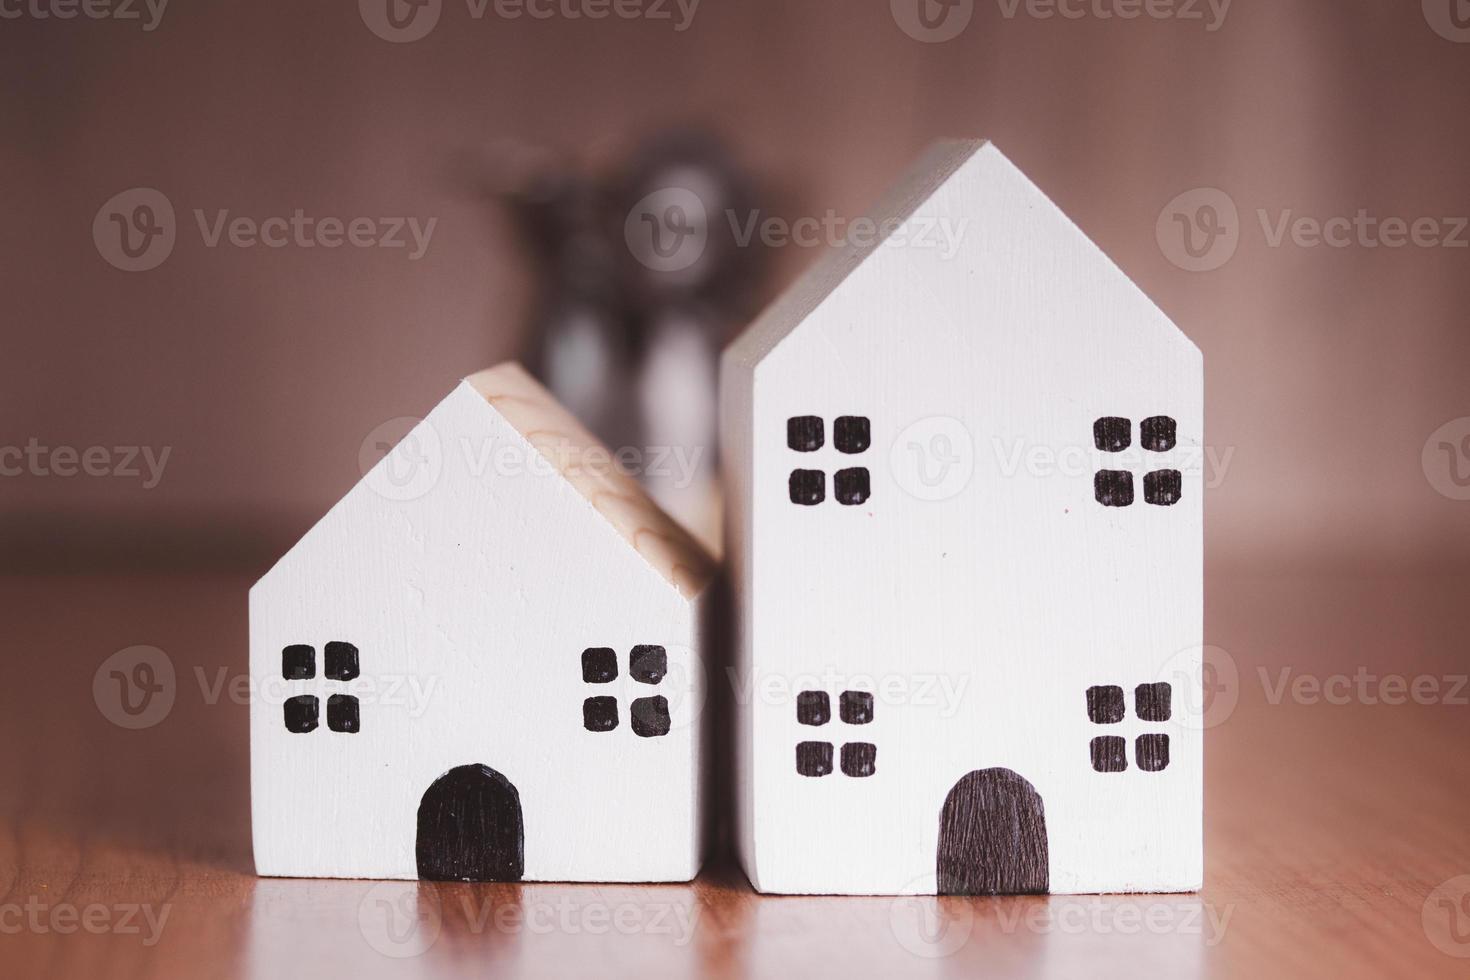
[
  {"x": 965, "y": 539},
  {"x": 483, "y": 664}
]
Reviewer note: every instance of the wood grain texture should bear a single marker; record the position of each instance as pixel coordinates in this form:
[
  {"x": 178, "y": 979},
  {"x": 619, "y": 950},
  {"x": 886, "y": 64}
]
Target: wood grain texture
[
  {"x": 1328, "y": 827},
  {"x": 592, "y": 469}
]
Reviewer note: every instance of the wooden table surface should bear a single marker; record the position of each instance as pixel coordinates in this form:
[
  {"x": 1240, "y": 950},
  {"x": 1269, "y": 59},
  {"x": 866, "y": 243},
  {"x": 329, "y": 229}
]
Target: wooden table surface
[{"x": 1337, "y": 834}]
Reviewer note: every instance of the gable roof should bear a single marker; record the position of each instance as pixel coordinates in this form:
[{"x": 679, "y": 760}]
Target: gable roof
[
  {"x": 941, "y": 163},
  {"x": 588, "y": 465}
]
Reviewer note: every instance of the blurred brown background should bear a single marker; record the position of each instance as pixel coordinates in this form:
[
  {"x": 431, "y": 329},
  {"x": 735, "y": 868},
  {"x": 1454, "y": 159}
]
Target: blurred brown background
[{"x": 263, "y": 370}]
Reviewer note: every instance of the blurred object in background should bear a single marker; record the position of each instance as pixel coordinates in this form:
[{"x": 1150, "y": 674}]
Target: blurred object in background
[
  {"x": 640, "y": 282},
  {"x": 694, "y": 285},
  {"x": 581, "y": 343}
]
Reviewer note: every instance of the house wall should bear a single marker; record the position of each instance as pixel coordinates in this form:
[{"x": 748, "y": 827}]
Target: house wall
[
  {"x": 472, "y": 585},
  {"x": 979, "y": 610}
]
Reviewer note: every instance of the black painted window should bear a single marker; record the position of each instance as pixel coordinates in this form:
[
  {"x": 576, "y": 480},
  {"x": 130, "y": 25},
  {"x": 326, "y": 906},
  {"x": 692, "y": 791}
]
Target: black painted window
[
  {"x": 1110, "y": 753},
  {"x": 1112, "y": 435},
  {"x": 599, "y": 665},
  {"x": 1115, "y": 488},
  {"x": 859, "y": 759},
  {"x": 342, "y": 661},
  {"x": 1154, "y": 702},
  {"x": 650, "y": 716},
  {"x": 1159, "y": 434},
  {"x": 648, "y": 664},
  {"x": 1106, "y": 705},
  {"x": 600, "y": 714},
  {"x": 805, "y": 433},
  {"x": 298, "y": 662},
  {"x": 808, "y": 487},
  {"x": 854, "y": 486},
  {"x": 813, "y": 708},
  {"x": 814, "y": 758},
  {"x": 342, "y": 713},
  {"x": 1163, "y": 488},
  {"x": 856, "y": 707},
  {"x": 852, "y": 435},
  {"x": 1152, "y": 752},
  {"x": 303, "y": 711}
]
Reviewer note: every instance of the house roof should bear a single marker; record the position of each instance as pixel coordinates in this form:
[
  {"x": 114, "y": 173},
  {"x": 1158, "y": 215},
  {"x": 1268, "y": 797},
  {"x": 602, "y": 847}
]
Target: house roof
[
  {"x": 943, "y": 162},
  {"x": 588, "y": 466},
  {"x": 918, "y": 184}
]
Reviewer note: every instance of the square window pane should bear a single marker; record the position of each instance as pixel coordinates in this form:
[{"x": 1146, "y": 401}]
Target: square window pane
[
  {"x": 814, "y": 758},
  {"x": 301, "y": 714},
  {"x": 1153, "y": 702},
  {"x": 1105, "y": 704},
  {"x": 600, "y": 714},
  {"x": 813, "y": 708},
  {"x": 807, "y": 487},
  {"x": 853, "y": 434},
  {"x": 298, "y": 662},
  {"x": 853, "y": 486},
  {"x": 648, "y": 664},
  {"x": 1113, "y": 488},
  {"x": 341, "y": 661},
  {"x": 859, "y": 759},
  {"x": 1163, "y": 487},
  {"x": 599, "y": 665},
  {"x": 342, "y": 713},
  {"x": 856, "y": 707},
  {"x": 1152, "y": 752},
  {"x": 650, "y": 716},
  {"x": 1159, "y": 434},
  {"x": 805, "y": 433},
  {"x": 1112, "y": 435},
  {"x": 1110, "y": 753}
]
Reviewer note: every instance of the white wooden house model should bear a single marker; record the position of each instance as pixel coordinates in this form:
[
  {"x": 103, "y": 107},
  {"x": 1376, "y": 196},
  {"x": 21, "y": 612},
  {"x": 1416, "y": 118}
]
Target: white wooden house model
[
  {"x": 965, "y": 534},
  {"x": 483, "y": 664}
]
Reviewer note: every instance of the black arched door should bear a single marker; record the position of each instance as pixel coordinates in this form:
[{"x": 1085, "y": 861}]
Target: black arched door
[
  {"x": 470, "y": 828},
  {"x": 992, "y": 837}
]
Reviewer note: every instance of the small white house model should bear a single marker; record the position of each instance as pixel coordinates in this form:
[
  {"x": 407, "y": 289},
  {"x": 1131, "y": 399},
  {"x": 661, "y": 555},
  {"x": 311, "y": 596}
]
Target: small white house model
[
  {"x": 483, "y": 664},
  {"x": 965, "y": 535}
]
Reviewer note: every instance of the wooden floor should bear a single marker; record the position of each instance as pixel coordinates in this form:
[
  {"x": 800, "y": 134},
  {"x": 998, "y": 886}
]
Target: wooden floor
[{"x": 1338, "y": 835}]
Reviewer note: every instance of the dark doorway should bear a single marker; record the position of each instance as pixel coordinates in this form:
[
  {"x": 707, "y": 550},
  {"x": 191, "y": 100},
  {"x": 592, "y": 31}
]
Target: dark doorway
[
  {"x": 992, "y": 837},
  {"x": 470, "y": 827}
]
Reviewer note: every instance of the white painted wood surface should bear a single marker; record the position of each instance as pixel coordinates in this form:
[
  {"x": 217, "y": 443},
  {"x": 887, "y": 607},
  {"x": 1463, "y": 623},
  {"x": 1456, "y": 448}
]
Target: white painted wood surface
[
  {"x": 471, "y": 568},
  {"x": 981, "y": 590}
]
